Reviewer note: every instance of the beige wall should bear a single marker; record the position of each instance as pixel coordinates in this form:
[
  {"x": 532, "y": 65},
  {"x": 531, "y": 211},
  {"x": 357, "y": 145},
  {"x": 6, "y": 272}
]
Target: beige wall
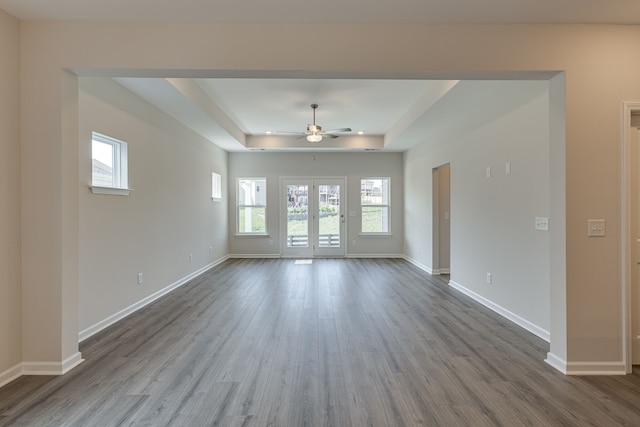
[
  {"x": 10, "y": 299},
  {"x": 492, "y": 219},
  {"x": 601, "y": 72},
  {"x": 353, "y": 166},
  {"x": 168, "y": 217}
]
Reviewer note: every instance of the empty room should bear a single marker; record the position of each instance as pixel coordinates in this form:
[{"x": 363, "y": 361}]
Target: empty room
[{"x": 216, "y": 214}]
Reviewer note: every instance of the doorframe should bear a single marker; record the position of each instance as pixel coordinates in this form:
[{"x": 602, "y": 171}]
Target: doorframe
[
  {"x": 435, "y": 220},
  {"x": 283, "y": 219},
  {"x": 626, "y": 241}
]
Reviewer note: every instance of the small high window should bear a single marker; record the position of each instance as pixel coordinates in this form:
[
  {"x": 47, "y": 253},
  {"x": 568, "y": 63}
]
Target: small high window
[
  {"x": 216, "y": 186},
  {"x": 108, "y": 162}
]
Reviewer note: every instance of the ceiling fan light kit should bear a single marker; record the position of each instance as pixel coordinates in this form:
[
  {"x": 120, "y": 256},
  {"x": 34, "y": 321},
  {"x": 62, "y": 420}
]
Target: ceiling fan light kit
[{"x": 315, "y": 133}]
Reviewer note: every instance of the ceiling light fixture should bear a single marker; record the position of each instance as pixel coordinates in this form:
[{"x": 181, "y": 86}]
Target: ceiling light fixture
[
  {"x": 314, "y": 137},
  {"x": 360, "y": 132}
]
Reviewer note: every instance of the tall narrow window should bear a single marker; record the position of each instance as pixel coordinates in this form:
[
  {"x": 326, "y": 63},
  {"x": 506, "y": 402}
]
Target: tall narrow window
[
  {"x": 252, "y": 205},
  {"x": 374, "y": 205},
  {"x": 216, "y": 186},
  {"x": 108, "y": 162}
]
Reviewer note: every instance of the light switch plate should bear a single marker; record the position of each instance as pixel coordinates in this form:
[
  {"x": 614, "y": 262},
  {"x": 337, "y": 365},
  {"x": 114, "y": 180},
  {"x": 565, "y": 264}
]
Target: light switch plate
[
  {"x": 542, "y": 223},
  {"x": 596, "y": 228}
]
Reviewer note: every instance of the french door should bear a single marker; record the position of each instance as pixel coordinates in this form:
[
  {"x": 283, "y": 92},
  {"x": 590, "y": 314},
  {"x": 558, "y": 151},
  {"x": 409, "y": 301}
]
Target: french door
[{"x": 313, "y": 217}]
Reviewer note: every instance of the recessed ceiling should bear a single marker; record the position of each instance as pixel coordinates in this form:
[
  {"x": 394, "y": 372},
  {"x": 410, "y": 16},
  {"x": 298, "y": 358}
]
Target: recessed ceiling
[
  {"x": 332, "y": 11},
  {"x": 258, "y": 105},
  {"x": 237, "y": 113},
  {"x": 394, "y": 114}
]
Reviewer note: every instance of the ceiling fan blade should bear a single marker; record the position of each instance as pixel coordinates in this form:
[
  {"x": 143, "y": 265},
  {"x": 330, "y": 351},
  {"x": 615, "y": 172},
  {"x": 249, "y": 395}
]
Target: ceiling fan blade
[
  {"x": 328, "y": 135},
  {"x": 338, "y": 130}
]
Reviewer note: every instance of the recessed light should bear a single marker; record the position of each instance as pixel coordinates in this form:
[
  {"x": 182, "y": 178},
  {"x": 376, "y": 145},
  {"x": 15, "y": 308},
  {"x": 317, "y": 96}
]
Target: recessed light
[
  {"x": 268, "y": 132},
  {"x": 360, "y": 132}
]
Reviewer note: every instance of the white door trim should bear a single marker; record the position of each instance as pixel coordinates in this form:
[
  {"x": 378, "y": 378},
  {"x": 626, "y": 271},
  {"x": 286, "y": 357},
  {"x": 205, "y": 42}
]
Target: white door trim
[{"x": 627, "y": 262}]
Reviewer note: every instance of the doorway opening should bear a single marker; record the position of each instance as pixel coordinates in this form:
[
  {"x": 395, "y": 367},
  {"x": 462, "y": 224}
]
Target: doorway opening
[
  {"x": 441, "y": 220},
  {"x": 631, "y": 235}
]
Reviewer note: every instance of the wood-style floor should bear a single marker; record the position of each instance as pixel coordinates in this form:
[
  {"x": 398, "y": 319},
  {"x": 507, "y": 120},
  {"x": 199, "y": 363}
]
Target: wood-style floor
[{"x": 336, "y": 343}]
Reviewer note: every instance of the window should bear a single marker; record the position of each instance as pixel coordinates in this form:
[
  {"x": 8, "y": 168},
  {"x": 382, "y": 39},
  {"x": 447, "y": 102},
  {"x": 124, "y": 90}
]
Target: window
[
  {"x": 374, "y": 204},
  {"x": 108, "y": 163},
  {"x": 252, "y": 205},
  {"x": 216, "y": 186}
]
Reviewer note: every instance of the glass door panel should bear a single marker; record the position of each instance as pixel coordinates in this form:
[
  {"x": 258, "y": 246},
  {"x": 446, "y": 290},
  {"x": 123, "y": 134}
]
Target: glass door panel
[
  {"x": 330, "y": 224},
  {"x": 329, "y": 216},
  {"x": 297, "y": 216}
]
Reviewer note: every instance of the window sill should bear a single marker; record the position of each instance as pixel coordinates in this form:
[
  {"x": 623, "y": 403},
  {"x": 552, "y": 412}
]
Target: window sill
[
  {"x": 110, "y": 190},
  {"x": 375, "y": 235},
  {"x": 251, "y": 235}
]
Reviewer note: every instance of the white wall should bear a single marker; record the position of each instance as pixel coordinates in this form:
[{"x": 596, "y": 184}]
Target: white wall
[
  {"x": 492, "y": 219},
  {"x": 168, "y": 217},
  {"x": 353, "y": 166},
  {"x": 10, "y": 247}
]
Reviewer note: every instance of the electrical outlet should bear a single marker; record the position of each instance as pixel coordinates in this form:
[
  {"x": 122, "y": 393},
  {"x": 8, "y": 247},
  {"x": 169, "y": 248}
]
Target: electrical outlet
[
  {"x": 140, "y": 279},
  {"x": 489, "y": 278},
  {"x": 210, "y": 249},
  {"x": 190, "y": 257}
]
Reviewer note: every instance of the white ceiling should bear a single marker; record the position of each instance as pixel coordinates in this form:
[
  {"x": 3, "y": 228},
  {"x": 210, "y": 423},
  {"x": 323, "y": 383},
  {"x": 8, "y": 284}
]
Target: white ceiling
[{"x": 394, "y": 114}]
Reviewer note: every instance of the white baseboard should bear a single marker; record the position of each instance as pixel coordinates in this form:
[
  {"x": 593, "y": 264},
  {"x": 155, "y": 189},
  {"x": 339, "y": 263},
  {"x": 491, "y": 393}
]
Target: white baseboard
[
  {"x": 534, "y": 329},
  {"x": 596, "y": 368},
  {"x": 375, "y": 256},
  {"x": 40, "y": 368},
  {"x": 444, "y": 270},
  {"x": 10, "y": 374},
  {"x": 52, "y": 368},
  {"x": 419, "y": 265},
  {"x": 556, "y": 362},
  {"x": 252, "y": 256},
  {"x": 94, "y": 329}
]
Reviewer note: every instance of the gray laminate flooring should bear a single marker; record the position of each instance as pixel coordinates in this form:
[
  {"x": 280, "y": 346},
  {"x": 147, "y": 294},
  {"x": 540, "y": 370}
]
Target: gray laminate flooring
[{"x": 349, "y": 342}]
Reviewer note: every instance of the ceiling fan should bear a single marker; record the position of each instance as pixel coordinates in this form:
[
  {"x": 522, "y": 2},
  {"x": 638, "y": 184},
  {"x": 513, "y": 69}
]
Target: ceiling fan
[{"x": 314, "y": 132}]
